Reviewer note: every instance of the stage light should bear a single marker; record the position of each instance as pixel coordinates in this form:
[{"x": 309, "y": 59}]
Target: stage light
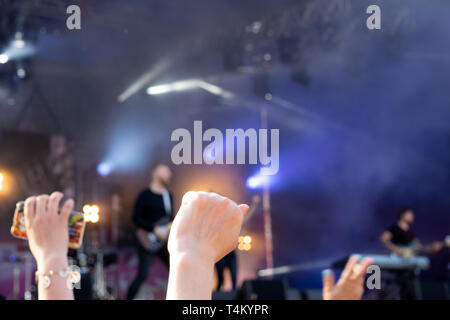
[
  {"x": 17, "y": 49},
  {"x": 91, "y": 213},
  {"x": 87, "y": 212},
  {"x": 267, "y": 57},
  {"x": 104, "y": 169},
  {"x": 257, "y": 181},
  {"x": 218, "y": 91},
  {"x": 86, "y": 209},
  {"x": 158, "y": 89},
  {"x": 6, "y": 183},
  {"x": 245, "y": 243},
  {"x": 247, "y": 239},
  {"x": 18, "y": 41},
  {"x": 127, "y": 150},
  {"x": 95, "y": 209},
  {"x": 146, "y": 78},
  {"x": 95, "y": 218},
  {"x": 189, "y": 85},
  {"x": 174, "y": 86},
  {"x": 4, "y": 58},
  {"x": 256, "y": 27},
  {"x": 21, "y": 73},
  {"x": 95, "y": 214},
  {"x": 252, "y": 182}
]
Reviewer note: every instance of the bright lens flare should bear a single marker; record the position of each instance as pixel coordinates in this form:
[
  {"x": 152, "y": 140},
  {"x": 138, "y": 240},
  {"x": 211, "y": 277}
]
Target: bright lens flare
[
  {"x": 95, "y": 209},
  {"x": 95, "y": 217},
  {"x": 3, "y": 58},
  {"x": 189, "y": 84},
  {"x": 245, "y": 243},
  {"x": 86, "y": 209},
  {"x": 104, "y": 169},
  {"x": 5, "y": 183},
  {"x": 91, "y": 213},
  {"x": 257, "y": 181}
]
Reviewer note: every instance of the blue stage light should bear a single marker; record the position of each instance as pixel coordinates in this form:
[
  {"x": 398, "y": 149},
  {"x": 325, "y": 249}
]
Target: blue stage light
[
  {"x": 104, "y": 169},
  {"x": 257, "y": 181}
]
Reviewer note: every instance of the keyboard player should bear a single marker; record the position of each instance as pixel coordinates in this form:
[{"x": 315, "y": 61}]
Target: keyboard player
[{"x": 402, "y": 241}]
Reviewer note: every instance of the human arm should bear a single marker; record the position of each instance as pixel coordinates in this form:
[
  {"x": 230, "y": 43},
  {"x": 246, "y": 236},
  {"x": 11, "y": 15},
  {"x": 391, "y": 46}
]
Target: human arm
[
  {"x": 48, "y": 239},
  {"x": 385, "y": 239},
  {"x": 205, "y": 229},
  {"x": 350, "y": 285},
  {"x": 434, "y": 247}
]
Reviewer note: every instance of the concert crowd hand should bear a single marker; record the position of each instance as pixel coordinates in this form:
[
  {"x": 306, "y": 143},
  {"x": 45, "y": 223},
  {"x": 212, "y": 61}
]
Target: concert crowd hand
[
  {"x": 350, "y": 285},
  {"x": 48, "y": 239},
  {"x": 205, "y": 229}
]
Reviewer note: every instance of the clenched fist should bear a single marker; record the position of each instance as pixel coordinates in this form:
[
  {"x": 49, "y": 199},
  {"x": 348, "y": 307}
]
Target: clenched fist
[
  {"x": 205, "y": 229},
  {"x": 207, "y": 226}
]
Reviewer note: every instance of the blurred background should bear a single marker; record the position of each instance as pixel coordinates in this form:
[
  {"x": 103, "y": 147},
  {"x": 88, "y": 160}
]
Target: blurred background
[{"x": 363, "y": 118}]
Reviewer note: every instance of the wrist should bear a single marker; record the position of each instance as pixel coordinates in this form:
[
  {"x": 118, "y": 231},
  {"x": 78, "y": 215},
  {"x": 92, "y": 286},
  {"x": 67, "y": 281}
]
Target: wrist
[
  {"x": 188, "y": 259},
  {"x": 52, "y": 262},
  {"x": 190, "y": 277}
]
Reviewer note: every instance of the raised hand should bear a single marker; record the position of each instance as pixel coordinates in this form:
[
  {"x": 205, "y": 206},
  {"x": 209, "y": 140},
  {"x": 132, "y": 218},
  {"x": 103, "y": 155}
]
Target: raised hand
[
  {"x": 47, "y": 229},
  {"x": 205, "y": 229},
  {"x": 48, "y": 239},
  {"x": 350, "y": 285},
  {"x": 207, "y": 226}
]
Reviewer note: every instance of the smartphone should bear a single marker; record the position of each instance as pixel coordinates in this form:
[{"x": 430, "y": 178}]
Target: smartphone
[{"x": 76, "y": 226}]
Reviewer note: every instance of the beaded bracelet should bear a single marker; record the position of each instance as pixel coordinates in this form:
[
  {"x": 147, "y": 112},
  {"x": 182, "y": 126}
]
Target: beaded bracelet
[{"x": 74, "y": 276}]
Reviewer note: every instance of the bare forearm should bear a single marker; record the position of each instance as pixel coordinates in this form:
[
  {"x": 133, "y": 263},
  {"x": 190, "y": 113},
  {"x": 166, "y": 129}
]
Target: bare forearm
[
  {"x": 389, "y": 245},
  {"x": 58, "y": 289},
  {"x": 189, "y": 279}
]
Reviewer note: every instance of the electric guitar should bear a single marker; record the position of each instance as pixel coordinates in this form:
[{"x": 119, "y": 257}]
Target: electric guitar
[
  {"x": 411, "y": 251},
  {"x": 151, "y": 241}
]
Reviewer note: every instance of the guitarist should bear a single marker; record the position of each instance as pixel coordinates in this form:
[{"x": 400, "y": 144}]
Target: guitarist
[{"x": 152, "y": 214}]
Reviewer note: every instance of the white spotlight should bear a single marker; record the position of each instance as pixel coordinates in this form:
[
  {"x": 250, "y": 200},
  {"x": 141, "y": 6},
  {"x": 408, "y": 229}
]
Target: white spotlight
[
  {"x": 174, "y": 86},
  {"x": 218, "y": 91},
  {"x": 164, "y": 88},
  {"x": 3, "y": 58},
  {"x": 18, "y": 42},
  {"x": 21, "y": 73},
  {"x": 189, "y": 85}
]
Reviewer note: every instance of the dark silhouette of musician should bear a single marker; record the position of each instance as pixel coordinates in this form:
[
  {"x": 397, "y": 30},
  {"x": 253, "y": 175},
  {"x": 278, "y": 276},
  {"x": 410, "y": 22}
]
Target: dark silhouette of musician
[
  {"x": 401, "y": 240},
  {"x": 152, "y": 215}
]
